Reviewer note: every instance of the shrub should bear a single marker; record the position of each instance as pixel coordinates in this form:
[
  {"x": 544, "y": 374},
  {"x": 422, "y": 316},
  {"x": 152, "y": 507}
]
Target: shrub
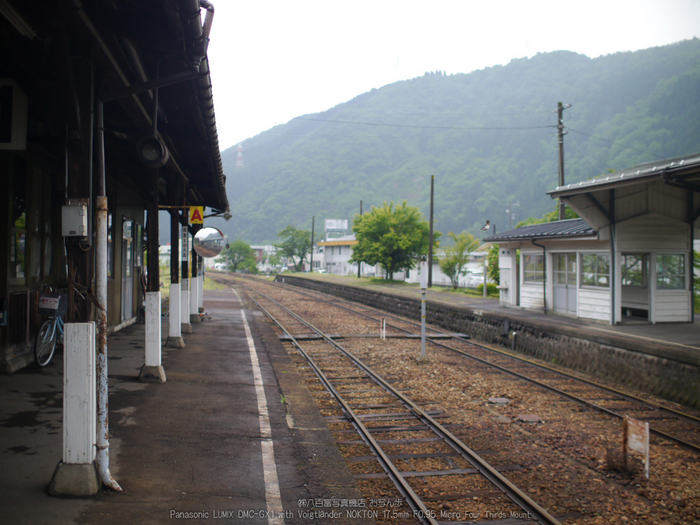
[{"x": 492, "y": 289}]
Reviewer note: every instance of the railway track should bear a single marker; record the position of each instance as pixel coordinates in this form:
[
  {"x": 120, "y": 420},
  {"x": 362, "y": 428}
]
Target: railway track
[
  {"x": 369, "y": 403},
  {"x": 554, "y": 447},
  {"x": 665, "y": 421}
]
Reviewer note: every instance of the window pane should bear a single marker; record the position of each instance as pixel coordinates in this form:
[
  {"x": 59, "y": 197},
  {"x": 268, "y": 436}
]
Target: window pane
[
  {"x": 588, "y": 262},
  {"x": 603, "y": 264},
  {"x": 559, "y": 262},
  {"x": 670, "y": 272},
  {"x": 588, "y": 279},
  {"x": 533, "y": 268},
  {"x": 596, "y": 270}
]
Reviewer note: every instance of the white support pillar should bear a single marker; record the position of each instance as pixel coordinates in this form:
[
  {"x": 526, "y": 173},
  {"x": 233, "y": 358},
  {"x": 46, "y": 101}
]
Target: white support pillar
[
  {"x": 175, "y": 339},
  {"x": 185, "y": 304},
  {"x": 153, "y": 367},
  {"x": 194, "y": 300},
  {"x": 76, "y": 474},
  {"x": 201, "y": 293}
]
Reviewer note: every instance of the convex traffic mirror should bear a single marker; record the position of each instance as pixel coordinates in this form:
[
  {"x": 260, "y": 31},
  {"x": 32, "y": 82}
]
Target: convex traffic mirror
[{"x": 208, "y": 242}]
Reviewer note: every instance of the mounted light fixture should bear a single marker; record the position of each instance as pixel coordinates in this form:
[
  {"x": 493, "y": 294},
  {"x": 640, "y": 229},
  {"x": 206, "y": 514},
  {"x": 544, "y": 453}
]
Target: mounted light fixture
[{"x": 152, "y": 152}]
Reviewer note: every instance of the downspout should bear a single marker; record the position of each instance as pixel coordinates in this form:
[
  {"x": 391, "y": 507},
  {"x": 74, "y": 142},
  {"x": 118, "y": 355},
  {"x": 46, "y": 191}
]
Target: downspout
[
  {"x": 101, "y": 211},
  {"x": 544, "y": 275}
]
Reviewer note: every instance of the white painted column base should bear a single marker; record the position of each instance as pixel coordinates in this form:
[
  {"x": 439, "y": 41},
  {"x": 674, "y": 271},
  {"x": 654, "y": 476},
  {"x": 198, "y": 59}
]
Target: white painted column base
[
  {"x": 194, "y": 301},
  {"x": 153, "y": 367},
  {"x": 200, "y": 302},
  {"x": 185, "y": 304},
  {"x": 175, "y": 339},
  {"x": 76, "y": 474}
]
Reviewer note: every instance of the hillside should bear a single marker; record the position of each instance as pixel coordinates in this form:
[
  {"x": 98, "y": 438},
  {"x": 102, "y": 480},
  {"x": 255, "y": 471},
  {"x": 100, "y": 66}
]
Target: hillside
[{"x": 489, "y": 138}]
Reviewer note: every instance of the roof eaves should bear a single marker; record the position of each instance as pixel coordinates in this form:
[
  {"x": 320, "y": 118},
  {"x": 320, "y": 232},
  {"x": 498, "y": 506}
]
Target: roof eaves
[{"x": 632, "y": 175}]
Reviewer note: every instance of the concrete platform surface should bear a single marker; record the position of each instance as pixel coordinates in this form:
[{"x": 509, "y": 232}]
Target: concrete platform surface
[{"x": 193, "y": 448}]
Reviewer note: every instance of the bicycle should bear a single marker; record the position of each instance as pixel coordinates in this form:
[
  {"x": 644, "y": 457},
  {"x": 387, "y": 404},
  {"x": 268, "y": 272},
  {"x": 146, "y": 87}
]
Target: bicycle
[{"x": 51, "y": 331}]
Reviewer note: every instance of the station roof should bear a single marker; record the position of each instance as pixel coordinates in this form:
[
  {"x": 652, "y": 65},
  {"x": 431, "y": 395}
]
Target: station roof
[
  {"x": 568, "y": 228},
  {"x": 674, "y": 168},
  {"x": 49, "y": 48}
]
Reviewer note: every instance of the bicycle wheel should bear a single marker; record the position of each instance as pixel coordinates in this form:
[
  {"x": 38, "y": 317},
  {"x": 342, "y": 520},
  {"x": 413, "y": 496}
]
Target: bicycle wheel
[{"x": 45, "y": 343}]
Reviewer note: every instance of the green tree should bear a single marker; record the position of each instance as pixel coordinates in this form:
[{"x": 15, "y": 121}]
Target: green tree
[
  {"x": 494, "y": 270},
  {"x": 296, "y": 244},
  {"x": 240, "y": 256},
  {"x": 457, "y": 255},
  {"x": 393, "y": 236}
]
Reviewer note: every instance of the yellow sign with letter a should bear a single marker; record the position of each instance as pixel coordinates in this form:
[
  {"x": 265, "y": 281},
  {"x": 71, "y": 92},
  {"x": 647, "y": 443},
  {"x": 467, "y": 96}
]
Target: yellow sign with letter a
[{"x": 196, "y": 214}]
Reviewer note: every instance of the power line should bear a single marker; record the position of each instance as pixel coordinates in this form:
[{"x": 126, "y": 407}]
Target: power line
[{"x": 423, "y": 127}]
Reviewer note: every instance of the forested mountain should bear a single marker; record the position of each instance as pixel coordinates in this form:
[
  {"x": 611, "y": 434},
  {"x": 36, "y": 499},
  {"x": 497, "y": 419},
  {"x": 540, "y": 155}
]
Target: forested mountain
[{"x": 489, "y": 137}]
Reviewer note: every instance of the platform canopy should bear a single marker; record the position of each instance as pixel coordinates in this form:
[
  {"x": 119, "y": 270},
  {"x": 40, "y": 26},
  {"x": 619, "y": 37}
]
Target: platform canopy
[{"x": 56, "y": 50}]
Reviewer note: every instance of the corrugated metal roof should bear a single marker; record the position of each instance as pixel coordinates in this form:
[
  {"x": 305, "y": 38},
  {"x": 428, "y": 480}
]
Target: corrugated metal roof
[
  {"x": 546, "y": 230},
  {"x": 649, "y": 169}
]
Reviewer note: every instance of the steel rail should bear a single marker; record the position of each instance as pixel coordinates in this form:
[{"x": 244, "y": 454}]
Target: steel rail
[
  {"x": 689, "y": 418},
  {"x": 419, "y": 509},
  {"x": 497, "y": 479}
]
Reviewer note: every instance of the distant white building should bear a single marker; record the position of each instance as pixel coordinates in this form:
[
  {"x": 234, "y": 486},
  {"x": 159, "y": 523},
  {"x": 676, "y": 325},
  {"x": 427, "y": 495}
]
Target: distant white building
[
  {"x": 337, "y": 253},
  {"x": 334, "y": 255},
  {"x": 263, "y": 254},
  {"x": 472, "y": 274}
]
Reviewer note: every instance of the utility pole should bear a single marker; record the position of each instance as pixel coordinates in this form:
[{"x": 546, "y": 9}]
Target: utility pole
[
  {"x": 359, "y": 263},
  {"x": 560, "y": 135},
  {"x": 311, "y": 257},
  {"x": 430, "y": 242}
]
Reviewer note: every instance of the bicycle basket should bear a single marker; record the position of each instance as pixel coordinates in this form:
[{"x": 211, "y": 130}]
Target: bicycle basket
[{"x": 52, "y": 304}]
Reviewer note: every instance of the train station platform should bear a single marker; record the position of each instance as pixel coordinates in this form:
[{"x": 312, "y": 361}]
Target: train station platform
[{"x": 233, "y": 436}]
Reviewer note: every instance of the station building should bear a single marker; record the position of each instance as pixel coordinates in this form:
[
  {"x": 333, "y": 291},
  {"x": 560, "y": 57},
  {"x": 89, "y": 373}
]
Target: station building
[
  {"x": 98, "y": 99},
  {"x": 629, "y": 258}
]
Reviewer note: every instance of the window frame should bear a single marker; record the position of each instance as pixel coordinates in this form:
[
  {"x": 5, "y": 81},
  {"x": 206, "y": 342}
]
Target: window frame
[
  {"x": 682, "y": 275},
  {"x": 530, "y": 269},
  {"x": 597, "y": 274}
]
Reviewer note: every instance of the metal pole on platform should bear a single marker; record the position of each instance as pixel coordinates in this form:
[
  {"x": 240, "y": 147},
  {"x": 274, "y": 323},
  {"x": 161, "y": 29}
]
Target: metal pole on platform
[
  {"x": 423, "y": 287},
  {"x": 431, "y": 236}
]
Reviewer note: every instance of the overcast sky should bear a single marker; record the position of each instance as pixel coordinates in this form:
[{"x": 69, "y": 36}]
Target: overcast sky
[{"x": 273, "y": 60}]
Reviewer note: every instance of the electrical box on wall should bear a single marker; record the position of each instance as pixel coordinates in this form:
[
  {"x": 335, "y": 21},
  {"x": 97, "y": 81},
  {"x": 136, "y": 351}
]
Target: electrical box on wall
[{"x": 74, "y": 220}]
